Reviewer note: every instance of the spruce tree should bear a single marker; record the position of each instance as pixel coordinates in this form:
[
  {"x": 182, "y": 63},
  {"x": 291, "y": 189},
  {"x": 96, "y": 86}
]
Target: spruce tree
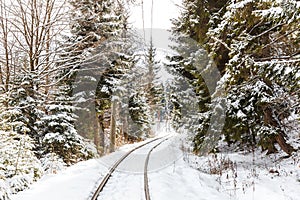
[
  {"x": 97, "y": 28},
  {"x": 22, "y": 111},
  {"x": 153, "y": 88},
  {"x": 19, "y": 165},
  {"x": 20, "y": 135},
  {"x": 251, "y": 43},
  {"x": 140, "y": 113},
  {"x": 60, "y": 136}
]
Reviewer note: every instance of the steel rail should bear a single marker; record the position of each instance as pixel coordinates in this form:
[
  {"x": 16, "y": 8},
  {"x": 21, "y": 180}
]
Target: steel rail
[
  {"x": 146, "y": 180},
  {"x": 114, "y": 167}
]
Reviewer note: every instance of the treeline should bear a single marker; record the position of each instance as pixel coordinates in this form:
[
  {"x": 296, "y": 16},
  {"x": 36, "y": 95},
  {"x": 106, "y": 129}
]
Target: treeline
[{"x": 255, "y": 47}]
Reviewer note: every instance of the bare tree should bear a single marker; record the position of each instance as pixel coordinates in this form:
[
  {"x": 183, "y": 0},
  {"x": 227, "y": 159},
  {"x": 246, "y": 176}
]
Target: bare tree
[
  {"x": 30, "y": 29},
  {"x": 5, "y": 48}
]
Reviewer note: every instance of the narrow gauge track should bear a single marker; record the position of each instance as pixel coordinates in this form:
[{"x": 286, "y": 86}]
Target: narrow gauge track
[
  {"x": 114, "y": 167},
  {"x": 146, "y": 180}
]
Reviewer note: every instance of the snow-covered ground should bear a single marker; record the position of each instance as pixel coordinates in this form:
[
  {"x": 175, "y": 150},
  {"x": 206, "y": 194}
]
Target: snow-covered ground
[
  {"x": 175, "y": 174},
  {"x": 252, "y": 176}
]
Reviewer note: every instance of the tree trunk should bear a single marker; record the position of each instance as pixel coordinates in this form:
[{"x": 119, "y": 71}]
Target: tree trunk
[
  {"x": 5, "y": 31},
  {"x": 279, "y": 138},
  {"x": 113, "y": 127},
  {"x": 101, "y": 134},
  {"x": 96, "y": 135},
  {"x": 287, "y": 148}
]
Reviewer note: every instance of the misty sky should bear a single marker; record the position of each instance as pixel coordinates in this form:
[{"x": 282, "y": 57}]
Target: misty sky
[{"x": 163, "y": 11}]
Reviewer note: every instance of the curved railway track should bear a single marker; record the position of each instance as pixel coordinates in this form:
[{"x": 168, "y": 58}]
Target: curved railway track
[
  {"x": 146, "y": 180},
  {"x": 114, "y": 167}
]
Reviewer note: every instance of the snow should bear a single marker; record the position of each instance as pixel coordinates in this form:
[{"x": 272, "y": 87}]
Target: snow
[
  {"x": 240, "y": 4},
  {"x": 3, "y": 189},
  {"x": 241, "y": 115},
  {"x": 298, "y": 74},
  {"x": 182, "y": 182},
  {"x": 256, "y": 176},
  {"x": 175, "y": 174},
  {"x": 274, "y": 11}
]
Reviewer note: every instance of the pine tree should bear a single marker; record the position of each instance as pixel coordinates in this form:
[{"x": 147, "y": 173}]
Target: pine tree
[
  {"x": 52, "y": 163},
  {"x": 153, "y": 88},
  {"x": 193, "y": 20},
  {"x": 20, "y": 166},
  {"x": 140, "y": 114},
  {"x": 20, "y": 135},
  {"x": 264, "y": 36},
  {"x": 181, "y": 94},
  {"x": 22, "y": 111},
  {"x": 97, "y": 28},
  {"x": 251, "y": 42},
  {"x": 110, "y": 94},
  {"x": 193, "y": 92},
  {"x": 60, "y": 136}
]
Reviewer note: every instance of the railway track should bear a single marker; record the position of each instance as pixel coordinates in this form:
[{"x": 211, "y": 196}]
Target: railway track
[
  {"x": 114, "y": 167},
  {"x": 146, "y": 180}
]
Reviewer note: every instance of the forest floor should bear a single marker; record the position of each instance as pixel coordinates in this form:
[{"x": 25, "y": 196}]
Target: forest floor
[{"x": 175, "y": 174}]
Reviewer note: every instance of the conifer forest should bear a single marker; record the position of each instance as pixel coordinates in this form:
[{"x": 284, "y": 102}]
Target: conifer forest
[{"x": 79, "y": 84}]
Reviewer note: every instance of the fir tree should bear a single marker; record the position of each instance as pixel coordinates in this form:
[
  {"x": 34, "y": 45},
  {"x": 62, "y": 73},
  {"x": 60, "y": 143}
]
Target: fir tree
[
  {"x": 96, "y": 29},
  {"x": 153, "y": 88},
  {"x": 249, "y": 48},
  {"x": 19, "y": 165},
  {"x": 60, "y": 136},
  {"x": 249, "y": 42},
  {"x": 22, "y": 111},
  {"x": 140, "y": 114}
]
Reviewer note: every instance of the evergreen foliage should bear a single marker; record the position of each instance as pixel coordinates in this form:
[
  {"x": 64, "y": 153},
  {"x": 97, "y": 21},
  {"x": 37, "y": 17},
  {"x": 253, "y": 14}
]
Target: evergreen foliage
[
  {"x": 21, "y": 110},
  {"x": 99, "y": 46},
  {"x": 139, "y": 111},
  {"x": 98, "y": 75},
  {"x": 153, "y": 88},
  {"x": 19, "y": 165},
  {"x": 255, "y": 47},
  {"x": 60, "y": 136}
]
